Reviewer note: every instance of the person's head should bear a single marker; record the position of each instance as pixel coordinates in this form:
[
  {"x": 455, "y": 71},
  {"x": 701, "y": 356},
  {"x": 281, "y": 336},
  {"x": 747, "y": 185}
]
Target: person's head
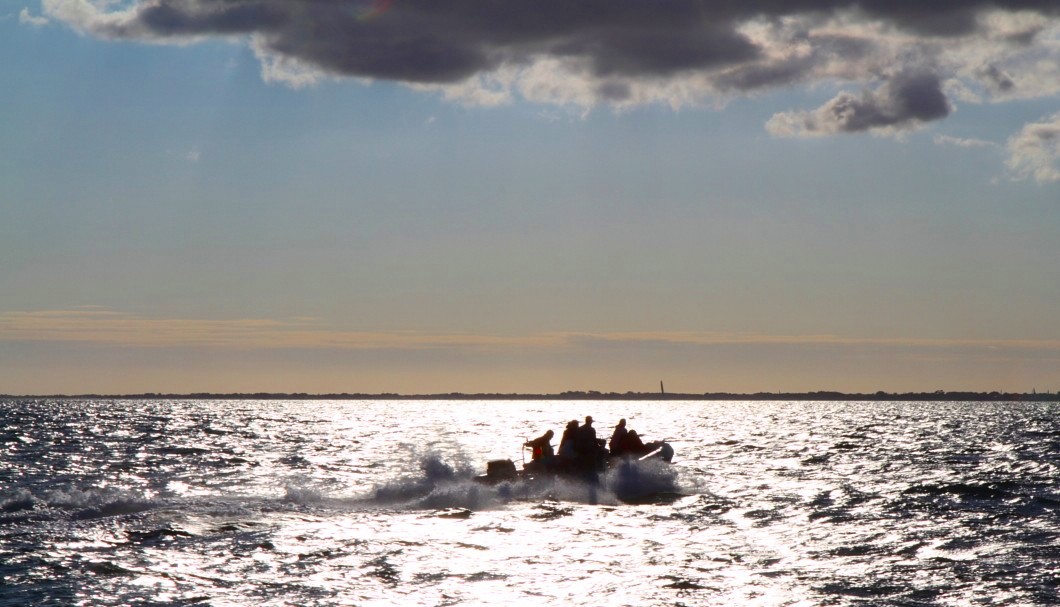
[
  {"x": 549, "y": 434},
  {"x": 572, "y": 424},
  {"x": 588, "y": 420},
  {"x": 622, "y": 423},
  {"x": 633, "y": 434}
]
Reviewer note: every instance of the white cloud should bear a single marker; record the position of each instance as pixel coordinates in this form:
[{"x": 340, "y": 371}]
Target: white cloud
[
  {"x": 492, "y": 89},
  {"x": 1034, "y": 152},
  {"x": 278, "y": 68},
  {"x": 25, "y": 18},
  {"x": 962, "y": 142},
  {"x": 94, "y": 18}
]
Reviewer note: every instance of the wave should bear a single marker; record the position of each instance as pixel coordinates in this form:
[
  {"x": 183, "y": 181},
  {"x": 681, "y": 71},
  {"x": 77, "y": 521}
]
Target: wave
[
  {"x": 439, "y": 485},
  {"x": 73, "y": 503},
  {"x": 965, "y": 490}
]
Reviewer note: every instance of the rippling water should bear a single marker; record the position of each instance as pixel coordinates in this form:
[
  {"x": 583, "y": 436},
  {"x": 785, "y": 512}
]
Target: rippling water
[{"x": 370, "y": 503}]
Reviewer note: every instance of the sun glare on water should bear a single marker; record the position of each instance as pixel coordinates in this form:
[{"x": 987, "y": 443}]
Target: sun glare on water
[{"x": 242, "y": 503}]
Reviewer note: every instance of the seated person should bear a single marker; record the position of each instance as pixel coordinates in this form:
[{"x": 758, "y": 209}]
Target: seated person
[
  {"x": 567, "y": 451},
  {"x": 542, "y": 447},
  {"x": 633, "y": 445},
  {"x": 618, "y": 438}
]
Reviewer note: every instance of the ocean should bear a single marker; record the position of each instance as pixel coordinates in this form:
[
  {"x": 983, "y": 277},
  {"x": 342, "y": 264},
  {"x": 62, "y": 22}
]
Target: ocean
[{"x": 371, "y": 503}]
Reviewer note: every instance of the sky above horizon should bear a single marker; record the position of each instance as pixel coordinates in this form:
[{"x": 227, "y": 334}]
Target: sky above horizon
[{"x": 422, "y": 197}]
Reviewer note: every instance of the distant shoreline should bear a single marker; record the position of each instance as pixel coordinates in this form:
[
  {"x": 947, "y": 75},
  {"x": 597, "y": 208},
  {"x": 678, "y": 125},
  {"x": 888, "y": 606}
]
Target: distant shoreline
[{"x": 937, "y": 396}]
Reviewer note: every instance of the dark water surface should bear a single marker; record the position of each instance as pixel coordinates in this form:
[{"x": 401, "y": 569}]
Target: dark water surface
[{"x": 241, "y": 503}]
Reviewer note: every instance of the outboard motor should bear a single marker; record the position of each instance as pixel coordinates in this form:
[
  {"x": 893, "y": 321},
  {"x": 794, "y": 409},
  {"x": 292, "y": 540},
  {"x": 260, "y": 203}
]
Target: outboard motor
[{"x": 500, "y": 470}]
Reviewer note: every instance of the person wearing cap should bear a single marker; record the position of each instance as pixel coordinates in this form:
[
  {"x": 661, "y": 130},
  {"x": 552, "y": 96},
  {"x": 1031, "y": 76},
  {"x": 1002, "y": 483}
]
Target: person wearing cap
[{"x": 585, "y": 444}]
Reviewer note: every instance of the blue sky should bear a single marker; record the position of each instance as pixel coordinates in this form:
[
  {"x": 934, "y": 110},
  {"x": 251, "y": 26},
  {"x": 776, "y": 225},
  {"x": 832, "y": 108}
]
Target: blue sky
[{"x": 173, "y": 218}]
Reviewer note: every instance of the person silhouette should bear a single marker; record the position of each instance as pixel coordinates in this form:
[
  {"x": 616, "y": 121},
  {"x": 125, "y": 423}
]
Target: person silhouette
[
  {"x": 618, "y": 438},
  {"x": 541, "y": 446},
  {"x": 567, "y": 444},
  {"x": 587, "y": 448}
]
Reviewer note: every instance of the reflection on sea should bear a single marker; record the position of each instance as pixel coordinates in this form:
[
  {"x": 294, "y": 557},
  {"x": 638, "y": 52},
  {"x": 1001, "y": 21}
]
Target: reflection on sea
[{"x": 228, "y": 503}]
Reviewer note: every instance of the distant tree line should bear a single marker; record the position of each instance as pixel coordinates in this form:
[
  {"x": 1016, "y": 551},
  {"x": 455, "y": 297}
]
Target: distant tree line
[{"x": 936, "y": 396}]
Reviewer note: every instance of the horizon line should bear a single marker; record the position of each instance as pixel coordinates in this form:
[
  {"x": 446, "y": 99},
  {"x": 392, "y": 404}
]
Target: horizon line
[{"x": 820, "y": 395}]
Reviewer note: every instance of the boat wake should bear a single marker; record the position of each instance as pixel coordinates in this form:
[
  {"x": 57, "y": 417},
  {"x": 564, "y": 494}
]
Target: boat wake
[{"x": 442, "y": 486}]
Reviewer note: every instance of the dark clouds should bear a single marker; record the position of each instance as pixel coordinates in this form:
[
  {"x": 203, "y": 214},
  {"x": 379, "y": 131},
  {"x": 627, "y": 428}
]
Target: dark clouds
[
  {"x": 450, "y": 40},
  {"x": 773, "y": 72},
  {"x": 903, "y": 101},
  {"x": 612, "y": 51},
  {"x": 996, "y": 78},
  {"x": 170, "y": 19}
]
